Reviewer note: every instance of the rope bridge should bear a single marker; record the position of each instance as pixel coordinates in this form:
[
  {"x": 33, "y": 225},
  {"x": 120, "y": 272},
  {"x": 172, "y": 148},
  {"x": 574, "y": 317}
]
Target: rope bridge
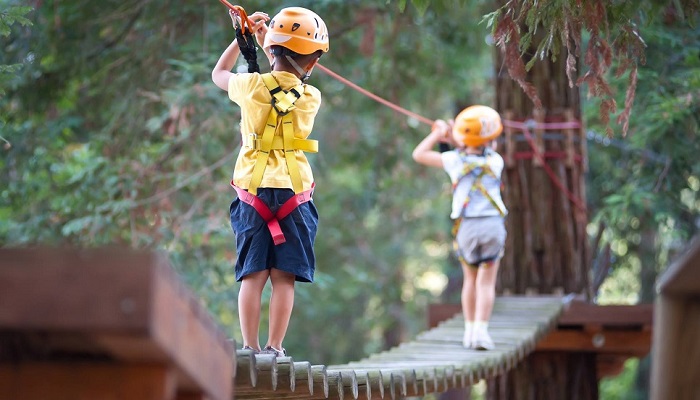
[{"x": 432, "y": 363}]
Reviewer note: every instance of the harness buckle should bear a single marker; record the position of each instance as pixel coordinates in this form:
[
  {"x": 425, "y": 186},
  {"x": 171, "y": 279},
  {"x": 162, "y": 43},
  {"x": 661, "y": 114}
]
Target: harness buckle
[
  {"x": 250, "y": 141},
  {"x": 280, "y": 112}
]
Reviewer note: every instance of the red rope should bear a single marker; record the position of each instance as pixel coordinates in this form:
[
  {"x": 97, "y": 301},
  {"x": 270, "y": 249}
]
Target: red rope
[
  {"x": 375, "y": 97},
  {"x": 552, "y": 176},
  {"x": 523, "y": 126}
]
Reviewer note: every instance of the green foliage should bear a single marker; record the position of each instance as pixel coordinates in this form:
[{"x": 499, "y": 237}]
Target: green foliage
[
  {"x": 9, "y": 16},
  {"x": 649, "y": 183},
  {"x": 621, "y": 387},
  {"x": 114, "y": 134}
]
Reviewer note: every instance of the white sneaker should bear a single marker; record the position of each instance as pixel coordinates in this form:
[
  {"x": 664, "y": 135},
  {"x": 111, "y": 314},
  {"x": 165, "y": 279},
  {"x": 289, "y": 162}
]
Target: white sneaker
[
  {"x": 467, "y": 340},
  {"x": 481, "y": 340}
]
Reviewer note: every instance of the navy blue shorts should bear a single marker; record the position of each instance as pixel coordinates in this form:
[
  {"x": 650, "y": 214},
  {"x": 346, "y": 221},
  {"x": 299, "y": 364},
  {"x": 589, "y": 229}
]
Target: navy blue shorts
[{"x": 256, "y": 250}]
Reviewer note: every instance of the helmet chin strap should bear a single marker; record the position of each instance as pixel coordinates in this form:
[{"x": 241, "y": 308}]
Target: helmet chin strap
[{"x": 304, "y": 74}]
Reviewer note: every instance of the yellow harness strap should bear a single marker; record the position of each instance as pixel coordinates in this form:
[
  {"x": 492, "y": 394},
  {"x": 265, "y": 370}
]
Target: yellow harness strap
[
  {"x": 478, "y": 185},
  {"x": 282, "y": 105}
]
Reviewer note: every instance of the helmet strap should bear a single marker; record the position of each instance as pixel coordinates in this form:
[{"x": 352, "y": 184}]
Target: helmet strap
[{"x": 304, "y": 74}]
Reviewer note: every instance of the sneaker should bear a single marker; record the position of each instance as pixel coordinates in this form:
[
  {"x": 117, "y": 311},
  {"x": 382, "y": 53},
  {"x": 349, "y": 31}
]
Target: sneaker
[
  {"x": 481, "y": 340},
  {"x": 467, "y": 340},
  {"x": 272, "y": 350},
  {"x": 251, "y": 349}
]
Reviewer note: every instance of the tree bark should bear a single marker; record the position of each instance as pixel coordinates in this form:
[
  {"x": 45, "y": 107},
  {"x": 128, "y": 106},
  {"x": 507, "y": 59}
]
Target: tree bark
[{"x": 547, "y": 247}]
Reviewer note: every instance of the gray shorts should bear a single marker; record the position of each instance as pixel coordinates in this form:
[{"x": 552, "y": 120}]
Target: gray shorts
[{"x": 481, "y": 239}]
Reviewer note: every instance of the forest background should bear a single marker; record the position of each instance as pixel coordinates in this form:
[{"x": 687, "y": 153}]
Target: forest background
[{"x": 111, "y": 132}]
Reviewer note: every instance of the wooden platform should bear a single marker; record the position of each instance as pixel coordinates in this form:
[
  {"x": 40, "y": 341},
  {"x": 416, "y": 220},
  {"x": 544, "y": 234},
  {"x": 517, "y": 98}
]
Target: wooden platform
[
  {"x": 434, "y": 362},
  {"x": 105, "y": 324}
]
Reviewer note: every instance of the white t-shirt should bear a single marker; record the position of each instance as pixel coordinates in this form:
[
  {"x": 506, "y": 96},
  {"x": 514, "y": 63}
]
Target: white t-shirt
[{"x": 454, "y": 162}]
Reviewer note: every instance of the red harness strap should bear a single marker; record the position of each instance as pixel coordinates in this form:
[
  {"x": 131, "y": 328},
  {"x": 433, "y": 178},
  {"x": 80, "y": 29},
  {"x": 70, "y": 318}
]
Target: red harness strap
[{"x": 273, "y": 220}]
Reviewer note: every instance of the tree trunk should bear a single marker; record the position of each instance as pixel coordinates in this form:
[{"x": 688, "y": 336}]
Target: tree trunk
[
  {"x": 547, "y": 249},
  {"x": 548, "y": 376},
  {"x": 547, "y": 246}
]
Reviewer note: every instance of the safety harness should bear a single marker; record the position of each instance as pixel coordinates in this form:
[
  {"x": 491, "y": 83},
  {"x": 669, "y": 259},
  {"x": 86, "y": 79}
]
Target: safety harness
[
  {"x": 470, "y": 167},
  {"x": 282, "y": 104}
]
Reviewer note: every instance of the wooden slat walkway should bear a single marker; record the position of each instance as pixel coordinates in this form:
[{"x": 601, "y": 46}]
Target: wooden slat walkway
[{"x": 435, "y": 362}]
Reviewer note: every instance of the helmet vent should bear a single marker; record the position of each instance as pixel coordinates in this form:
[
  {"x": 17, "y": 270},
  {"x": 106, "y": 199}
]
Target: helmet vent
[
  {"x": 317, "y": 24},
  {"x": 295, "y": 26}
]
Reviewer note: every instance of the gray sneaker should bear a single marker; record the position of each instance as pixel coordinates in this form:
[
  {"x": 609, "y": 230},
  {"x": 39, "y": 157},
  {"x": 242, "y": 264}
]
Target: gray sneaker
[
  {"x": 251, "y": 349},
  {"x": 272, "y": 350}
]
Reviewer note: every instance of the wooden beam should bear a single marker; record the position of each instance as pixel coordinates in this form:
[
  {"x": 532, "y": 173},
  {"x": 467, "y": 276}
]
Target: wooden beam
[
  {"x": 582, "y": 313},
  {"x": 112, "y": 304},
  {"x": 576, "y": 313},
  {"x": 71, "y": 381},
  {"x": 633, "y": 343}
]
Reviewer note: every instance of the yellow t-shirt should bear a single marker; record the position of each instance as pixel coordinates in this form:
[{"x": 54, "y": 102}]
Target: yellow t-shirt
[{"x": 251, "y": 94}]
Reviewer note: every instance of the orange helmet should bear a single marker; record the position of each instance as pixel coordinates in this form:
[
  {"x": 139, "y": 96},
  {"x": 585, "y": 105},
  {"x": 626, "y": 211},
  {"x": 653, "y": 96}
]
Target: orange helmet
[
  {"x": 476, "y": 125},
  {"x": 299, "y": 30}
]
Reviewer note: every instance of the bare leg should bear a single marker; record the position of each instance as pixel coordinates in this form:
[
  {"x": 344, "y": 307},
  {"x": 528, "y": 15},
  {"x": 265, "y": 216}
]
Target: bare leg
[
  {"x": 281, "y": 305},
  {"x": 486, "y": 290},
  {"x": 469, "y": 292},
  {"x": 249, "y": 307}
]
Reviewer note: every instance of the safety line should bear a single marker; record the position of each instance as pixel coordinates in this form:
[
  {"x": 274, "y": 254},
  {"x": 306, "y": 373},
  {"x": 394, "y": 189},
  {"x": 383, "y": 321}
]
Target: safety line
[
  {"x": 375, "y": 97},
  {"x": 523, "y": 126}
]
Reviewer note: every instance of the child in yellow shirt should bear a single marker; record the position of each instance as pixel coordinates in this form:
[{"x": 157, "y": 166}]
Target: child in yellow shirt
[{"x": 273, "y": 217}]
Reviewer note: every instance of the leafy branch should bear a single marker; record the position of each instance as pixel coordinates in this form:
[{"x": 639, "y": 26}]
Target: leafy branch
[
  {"x": 8, "y": 17},
  {"x": 545, "y": 29}
]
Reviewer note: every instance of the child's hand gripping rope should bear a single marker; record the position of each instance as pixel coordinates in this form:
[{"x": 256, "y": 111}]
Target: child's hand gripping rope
[{"x": 245, "y": 28}]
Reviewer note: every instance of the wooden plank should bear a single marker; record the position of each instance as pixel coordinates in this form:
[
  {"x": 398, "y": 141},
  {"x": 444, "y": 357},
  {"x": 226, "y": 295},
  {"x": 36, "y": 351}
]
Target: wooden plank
[
  {"x": 77, "y": 381},
  {"x": 45, "y": 289},
  {"x": 113, "y": 303},
  {"x": 246, "y": 371}
]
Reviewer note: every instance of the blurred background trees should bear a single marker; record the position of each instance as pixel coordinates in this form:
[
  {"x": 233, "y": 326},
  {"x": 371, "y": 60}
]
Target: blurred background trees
[{"x": 112, "y": 133}]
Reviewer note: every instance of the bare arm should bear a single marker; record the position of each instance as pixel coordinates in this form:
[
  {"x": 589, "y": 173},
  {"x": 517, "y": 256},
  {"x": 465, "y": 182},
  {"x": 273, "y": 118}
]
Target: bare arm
[
  {"x": 222, "y": 70},
  {"x": 424, "y": 153}
]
